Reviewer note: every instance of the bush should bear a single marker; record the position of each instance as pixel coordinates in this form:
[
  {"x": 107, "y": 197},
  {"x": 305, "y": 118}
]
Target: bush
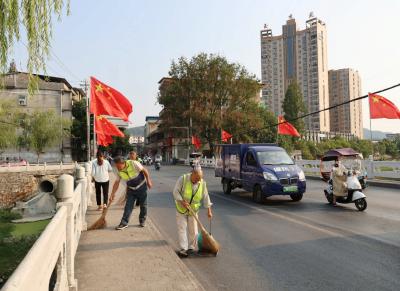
[{"x": 8, "y": 216}]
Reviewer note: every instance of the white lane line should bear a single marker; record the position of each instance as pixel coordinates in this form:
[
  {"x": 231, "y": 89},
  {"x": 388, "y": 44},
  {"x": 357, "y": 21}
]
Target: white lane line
[
  {"x": 281, "y": 216},
  {"x": 308, "y": 225}
]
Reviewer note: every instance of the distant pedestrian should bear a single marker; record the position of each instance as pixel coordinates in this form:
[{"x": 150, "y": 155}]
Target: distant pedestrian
[
  {"x": 100, "y": 173},
  {"x": 190, "y": 190},
  {"x": 137, "y": 180}
]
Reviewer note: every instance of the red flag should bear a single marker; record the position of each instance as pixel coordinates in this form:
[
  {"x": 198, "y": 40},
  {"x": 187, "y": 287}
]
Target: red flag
[
  {"x": 108, "y": 101},
  {"x": 380, "y": 107},
  {"x": 286, "y": 128},
  {"x": 105, "y": 127},
  {"x": 104, "y": 140},
  {"x": 225, "y": 136},
  {"x": 196, "y": 142}
]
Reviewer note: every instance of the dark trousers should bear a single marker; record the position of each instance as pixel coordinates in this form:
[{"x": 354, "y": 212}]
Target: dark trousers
[
  {"x": 132, "y": 196},
  {"x": 98, "y": 186}
]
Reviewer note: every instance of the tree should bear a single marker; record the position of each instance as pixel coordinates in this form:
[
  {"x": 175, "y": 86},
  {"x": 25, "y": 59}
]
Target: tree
[
  {"x": 36, "y": 17},
  {"x": 45, "y": 129},
  {"x": 213, "y": 93},
  {"x": 8, "y": 126},
  {"x": 293, "y": 106},
  {"x": 79, "y": 130},
  {"x": 120, "y": 146}
]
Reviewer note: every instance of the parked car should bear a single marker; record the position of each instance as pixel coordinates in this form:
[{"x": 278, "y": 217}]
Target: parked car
[{"x": 264, "y": 169}]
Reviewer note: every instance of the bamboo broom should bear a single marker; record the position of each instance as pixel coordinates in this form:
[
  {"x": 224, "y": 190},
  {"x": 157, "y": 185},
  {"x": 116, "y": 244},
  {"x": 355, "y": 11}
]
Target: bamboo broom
[
  {"x": 209, "y": 244},
  {"x": 101, "y": 222}
]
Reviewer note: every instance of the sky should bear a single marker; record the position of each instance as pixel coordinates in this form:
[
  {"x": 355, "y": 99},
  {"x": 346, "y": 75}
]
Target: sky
[{"x": 130, "y": 44}]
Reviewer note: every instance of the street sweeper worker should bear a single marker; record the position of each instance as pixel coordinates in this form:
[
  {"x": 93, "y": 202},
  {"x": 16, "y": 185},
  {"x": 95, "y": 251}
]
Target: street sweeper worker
[
  {"x": 137, "y": 181},
  {"x": 190, "y": 190}
]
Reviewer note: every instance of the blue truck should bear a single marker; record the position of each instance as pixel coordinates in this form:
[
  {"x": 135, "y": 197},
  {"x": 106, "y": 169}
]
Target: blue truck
[{"x": 264, "y": 169}]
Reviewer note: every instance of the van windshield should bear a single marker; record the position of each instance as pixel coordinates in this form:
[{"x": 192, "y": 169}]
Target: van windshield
[{"x": 274, "y": 158}]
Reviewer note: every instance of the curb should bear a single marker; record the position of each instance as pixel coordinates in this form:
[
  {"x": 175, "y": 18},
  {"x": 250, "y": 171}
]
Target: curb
[{"x": 193, "y": 283}]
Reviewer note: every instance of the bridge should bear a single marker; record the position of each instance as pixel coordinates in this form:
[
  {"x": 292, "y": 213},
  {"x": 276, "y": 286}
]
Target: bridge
[{"x": 274, "y": 246}]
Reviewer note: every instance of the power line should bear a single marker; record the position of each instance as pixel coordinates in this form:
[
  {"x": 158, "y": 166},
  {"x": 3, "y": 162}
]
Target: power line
[{"x": 336, "y": 105}]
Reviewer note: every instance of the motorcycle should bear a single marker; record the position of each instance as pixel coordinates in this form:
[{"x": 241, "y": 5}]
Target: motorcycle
[
  {"x": 354, "y": 192},
  {"x": 157, "y": 165}
]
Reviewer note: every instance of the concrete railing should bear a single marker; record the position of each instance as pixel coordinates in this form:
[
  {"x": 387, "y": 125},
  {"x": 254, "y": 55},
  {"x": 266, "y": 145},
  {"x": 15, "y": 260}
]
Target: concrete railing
[
  {"x": 49, "y": 265},
  {"x": 9, "y": 168},
  {"x": 375, "y": 169}
]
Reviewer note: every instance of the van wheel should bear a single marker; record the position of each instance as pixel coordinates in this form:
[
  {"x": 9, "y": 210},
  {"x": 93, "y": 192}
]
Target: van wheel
[
  {"x": 296, "y": 197},
  {"x": 257, "y": 194},
  {"x": 226, "y": 186}
]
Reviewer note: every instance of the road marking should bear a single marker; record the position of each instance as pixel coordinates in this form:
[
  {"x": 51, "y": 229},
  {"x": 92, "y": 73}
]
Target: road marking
[{"x": 281, "y": 216}]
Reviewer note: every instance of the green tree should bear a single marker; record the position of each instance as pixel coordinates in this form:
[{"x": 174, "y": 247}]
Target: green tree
[
  {"x": 209, "y": 90},
  {"x": 36, "y": 17},
  {"x": 45, "y": 129},
  {"x": 79, "y": 130},
  {"x": 8, "y": 126},
  {"x": 120, "y": 146},
  {"x": 293, "y": 106}
]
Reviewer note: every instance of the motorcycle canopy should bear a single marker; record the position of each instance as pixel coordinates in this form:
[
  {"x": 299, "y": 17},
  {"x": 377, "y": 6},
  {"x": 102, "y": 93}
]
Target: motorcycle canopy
[
  {"x": 335, "y": 154},
  {"x": 349, "y": 157}
]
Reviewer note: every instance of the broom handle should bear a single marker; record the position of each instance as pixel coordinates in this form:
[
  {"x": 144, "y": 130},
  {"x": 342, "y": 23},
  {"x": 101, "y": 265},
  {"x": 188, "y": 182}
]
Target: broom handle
[{"x": 195, "y": 217}]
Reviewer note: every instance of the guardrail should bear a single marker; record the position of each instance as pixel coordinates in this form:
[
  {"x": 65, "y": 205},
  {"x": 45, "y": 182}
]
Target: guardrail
[
  {"x": 375, "y": 169},
  {"x": 10, "y": 168},
  {"x": 49, "y": 265}
]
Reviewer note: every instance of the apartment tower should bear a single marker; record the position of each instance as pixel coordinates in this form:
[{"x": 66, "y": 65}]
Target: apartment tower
[
  {"x": 297, "y": 56},
  {"x": 345, "y": 85}
]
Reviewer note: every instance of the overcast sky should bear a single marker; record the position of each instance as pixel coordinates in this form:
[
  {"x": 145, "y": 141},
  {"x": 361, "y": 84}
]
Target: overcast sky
[{"x": 130, "y": 44}]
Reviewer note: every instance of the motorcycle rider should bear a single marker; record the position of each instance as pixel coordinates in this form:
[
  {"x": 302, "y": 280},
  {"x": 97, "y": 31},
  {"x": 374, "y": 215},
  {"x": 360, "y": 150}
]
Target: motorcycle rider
[{"x": 338, "y": 177}]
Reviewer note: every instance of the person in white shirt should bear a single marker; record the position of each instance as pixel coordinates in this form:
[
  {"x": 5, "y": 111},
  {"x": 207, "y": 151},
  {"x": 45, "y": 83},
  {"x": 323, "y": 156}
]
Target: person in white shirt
[
  {"x": 100, "y": 173},
  {"x": 190, "y": 190}
]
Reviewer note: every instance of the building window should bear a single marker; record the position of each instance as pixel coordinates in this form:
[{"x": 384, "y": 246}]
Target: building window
[{"x": 22, "y": 100}]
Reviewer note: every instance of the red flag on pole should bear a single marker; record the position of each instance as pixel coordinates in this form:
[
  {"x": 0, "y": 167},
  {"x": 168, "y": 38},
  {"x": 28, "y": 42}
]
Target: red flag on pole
[
  {"x": 105, "y": 127},
  {"x": 380, "y": 107},
  {"x": 196, "y": 142},
  {"x": 104, "y": 140},
  {"x": 225, "y": 136},
  {"x": 286, "y": 128},
  {"x": 105, "y": 100}
]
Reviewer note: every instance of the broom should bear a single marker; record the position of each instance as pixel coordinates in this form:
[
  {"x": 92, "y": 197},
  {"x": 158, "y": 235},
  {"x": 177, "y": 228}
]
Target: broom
[
  {"x": 208, "y": 243},
  {"x": 101, "y": 222}
]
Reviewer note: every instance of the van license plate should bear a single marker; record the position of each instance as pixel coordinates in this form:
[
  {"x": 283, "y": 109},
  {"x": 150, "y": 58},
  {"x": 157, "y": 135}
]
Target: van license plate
[{"x": 290, "y": 189}]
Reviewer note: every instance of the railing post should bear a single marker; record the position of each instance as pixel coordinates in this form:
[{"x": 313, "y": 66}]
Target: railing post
[
  {"x": 81, "y": 179},
  {"x": 88, "y": 170},
  {"x": 371, "y": 170},
  {"x": 65, "y": 193}
]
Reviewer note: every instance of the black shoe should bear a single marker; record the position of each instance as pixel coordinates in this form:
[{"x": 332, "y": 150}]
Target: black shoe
[
  {"x": 121, "y": 226},
  {"x": 190, "y": 252},
  {"x": 142, "y": 224},
  {"x": 183, "y": 254}
]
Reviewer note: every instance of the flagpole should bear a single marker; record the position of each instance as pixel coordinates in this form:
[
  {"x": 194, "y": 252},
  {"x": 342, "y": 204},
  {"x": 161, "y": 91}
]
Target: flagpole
[{"x": 370, "y": 120}]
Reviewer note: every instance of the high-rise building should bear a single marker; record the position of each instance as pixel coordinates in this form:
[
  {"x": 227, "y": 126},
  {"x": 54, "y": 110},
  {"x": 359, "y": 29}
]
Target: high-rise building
[
  {"x": 297, "y": 56},
  {"x": 345, "y": 85}
]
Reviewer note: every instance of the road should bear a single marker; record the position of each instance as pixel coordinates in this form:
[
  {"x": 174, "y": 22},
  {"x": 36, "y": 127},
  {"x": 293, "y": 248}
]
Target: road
[{"x": 285, "y": 245}]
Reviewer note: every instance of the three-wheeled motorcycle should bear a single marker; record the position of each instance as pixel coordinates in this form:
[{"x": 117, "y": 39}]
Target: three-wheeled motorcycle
[{"x": 351, "y": 163}]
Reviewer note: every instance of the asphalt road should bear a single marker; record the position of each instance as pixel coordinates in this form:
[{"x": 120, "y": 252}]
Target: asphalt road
[{"x": 285, "y": 245}]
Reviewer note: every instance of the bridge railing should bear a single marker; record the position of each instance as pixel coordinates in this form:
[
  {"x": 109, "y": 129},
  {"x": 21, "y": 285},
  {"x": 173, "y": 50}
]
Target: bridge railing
[
  {"x": 375, "y": 169},
  {"x": 49, "y": 265},
  {"x": 10, "y": 168}
]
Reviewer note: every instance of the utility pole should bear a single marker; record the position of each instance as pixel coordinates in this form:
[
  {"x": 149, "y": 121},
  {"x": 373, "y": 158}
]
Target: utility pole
[{"x": 85, "y": 86}]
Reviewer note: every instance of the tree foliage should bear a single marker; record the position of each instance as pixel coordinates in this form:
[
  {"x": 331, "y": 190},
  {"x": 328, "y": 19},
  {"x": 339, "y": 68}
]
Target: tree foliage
[
  {"x": 293, "y": 106},
  {"x": 8, "y": 125},
  {"x": 215, "y": 94},
  {"x": 45, "y": 129},
  {"x": 36, "y": 17},
  {"x": 79, "y": 130}
]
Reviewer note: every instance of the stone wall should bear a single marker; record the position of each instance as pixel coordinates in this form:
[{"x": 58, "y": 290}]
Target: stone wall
[{"x": 23, "y": 186}]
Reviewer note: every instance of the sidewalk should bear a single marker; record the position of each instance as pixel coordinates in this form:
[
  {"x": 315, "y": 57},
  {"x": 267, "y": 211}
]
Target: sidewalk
[{"x": 132, "y": 259}]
